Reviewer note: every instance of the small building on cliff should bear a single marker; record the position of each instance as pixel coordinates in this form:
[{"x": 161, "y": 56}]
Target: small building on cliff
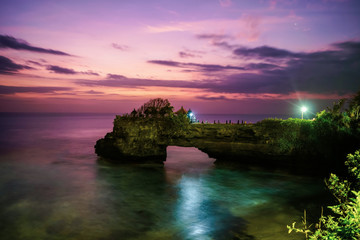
[
  {"x": 181, "y": 111},
  {"x": 189, "y": 114}
]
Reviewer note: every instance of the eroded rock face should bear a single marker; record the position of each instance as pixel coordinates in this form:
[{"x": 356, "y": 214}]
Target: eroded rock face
[{"x": 134, "y": 139}]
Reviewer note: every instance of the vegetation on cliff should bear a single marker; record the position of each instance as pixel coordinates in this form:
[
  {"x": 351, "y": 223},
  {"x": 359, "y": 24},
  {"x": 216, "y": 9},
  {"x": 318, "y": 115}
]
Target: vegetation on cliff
[
  {"x": 155, "y": 108},
  {"x": 336, "y": 130},
  {"x": 344, "y": 222},
  {"x": 332, "y": 134},
  {"x": 145, "y": 133},
  {"x": 157, "y": 117}
]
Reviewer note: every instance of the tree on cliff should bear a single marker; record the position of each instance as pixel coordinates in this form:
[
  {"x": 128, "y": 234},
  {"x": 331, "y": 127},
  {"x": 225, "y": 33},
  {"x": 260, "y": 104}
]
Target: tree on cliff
[
  {"x": 157, "y": 107},
  {"x": 344, "y": 222}
]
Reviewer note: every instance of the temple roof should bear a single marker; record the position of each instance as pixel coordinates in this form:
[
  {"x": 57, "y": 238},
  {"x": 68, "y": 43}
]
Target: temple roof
[{"x": 181, "y": 111}]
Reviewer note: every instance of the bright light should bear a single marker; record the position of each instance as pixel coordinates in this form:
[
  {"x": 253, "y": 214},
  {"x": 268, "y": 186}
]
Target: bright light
[
  {"x": 303, "y": 109},
  {"x": 191, "y": 114}
]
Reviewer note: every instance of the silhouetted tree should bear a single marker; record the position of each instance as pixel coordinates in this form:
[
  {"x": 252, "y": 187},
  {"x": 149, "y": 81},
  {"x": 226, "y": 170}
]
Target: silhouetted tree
[
  {"x": 157, "y": 107},
  {"x": 133, "y": 113}
]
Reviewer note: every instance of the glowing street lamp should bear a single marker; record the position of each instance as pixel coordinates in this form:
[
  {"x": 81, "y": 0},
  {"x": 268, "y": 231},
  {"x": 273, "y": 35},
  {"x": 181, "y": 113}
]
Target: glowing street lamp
[
  {"x": 303, "y": 109},
  {"x": 191, "y": 116}
]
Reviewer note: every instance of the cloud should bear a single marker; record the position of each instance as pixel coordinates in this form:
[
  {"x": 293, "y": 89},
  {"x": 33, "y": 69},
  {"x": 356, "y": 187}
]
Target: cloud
[
  {"x": 9, "y": 67},
  {"x": 219, "y": 40},
  {"x": 120, "y": 81},
  {"x": 196, "y": 66},
  {"x": 224, "y": 45},
  {"x": 94, "y": 92},
  {"x": 264, "y": 52},
  {"x": 116, "y": 76},
  {"x": 261, "y": 66},
  {"x": 330, "y": 71},
  {"x": 349, "y": 45},
  {"x": 273, "y": 82},
  {"x": 237, "y": 83},
  {"x": 183, "y": 54},
  {"x": 340, "y": 50},
  {"x": 5, "y": 90},
  {"x": 89, "y": 72},
  {"x": 62, "y": 70},
  {"x": 327, "y": 73},
  {"x": 121, "y": 47},
  {"x": 215, "y": 37},
  {"x": 212, "y": 98},
  {"x": 13, "y": 43},
  {"x": 166, "y": 63},
  {"x": 35, "y": 63}
]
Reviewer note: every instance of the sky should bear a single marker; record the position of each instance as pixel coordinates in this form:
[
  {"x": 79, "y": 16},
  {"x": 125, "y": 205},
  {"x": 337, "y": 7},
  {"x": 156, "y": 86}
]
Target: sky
[{"x": 213, "y": 56}]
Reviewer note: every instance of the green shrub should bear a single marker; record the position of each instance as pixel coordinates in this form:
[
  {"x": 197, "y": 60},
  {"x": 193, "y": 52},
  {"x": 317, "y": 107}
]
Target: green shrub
[
  {"x": 344, "y": 223},
  {"x": 291, "y": 135}
]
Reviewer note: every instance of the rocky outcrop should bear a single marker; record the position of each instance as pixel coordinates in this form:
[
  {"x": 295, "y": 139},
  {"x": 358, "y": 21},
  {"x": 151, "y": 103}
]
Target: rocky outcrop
[
  {"x": 145, "y": 140},
  {"x": 134, "y": 139}
]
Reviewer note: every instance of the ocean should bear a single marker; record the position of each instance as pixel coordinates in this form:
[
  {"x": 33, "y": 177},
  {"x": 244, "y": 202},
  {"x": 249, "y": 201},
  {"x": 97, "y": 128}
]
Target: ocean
[{"x": 53, "y": 186}]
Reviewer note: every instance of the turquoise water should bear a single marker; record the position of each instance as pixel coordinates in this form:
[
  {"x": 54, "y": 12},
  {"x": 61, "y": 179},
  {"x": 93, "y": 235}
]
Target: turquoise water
[{"x": 53, "y": 186}]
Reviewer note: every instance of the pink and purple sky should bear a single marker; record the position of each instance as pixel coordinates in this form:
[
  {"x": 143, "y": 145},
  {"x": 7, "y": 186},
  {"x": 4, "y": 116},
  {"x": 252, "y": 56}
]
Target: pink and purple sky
[{"x": 213, "y": 56}]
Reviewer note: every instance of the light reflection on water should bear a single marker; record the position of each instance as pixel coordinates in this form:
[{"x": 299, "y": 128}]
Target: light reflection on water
[{"x": 53, "y": 187}]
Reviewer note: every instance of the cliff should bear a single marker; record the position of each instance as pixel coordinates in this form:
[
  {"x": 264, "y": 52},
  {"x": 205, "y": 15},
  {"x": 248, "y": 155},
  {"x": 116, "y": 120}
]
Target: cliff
[
  {"x": 268, "y": 143},
  {"x": 144, "y": 134}
]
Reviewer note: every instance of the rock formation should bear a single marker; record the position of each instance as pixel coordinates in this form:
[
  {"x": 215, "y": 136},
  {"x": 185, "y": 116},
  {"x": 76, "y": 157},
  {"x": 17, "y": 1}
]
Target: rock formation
[{"x": 140, "y": 139}]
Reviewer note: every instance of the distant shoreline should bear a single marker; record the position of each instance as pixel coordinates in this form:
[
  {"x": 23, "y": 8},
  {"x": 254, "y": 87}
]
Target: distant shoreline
[
  {"x": 205, "y": 118},
  {"x": 210, "y": 118}
]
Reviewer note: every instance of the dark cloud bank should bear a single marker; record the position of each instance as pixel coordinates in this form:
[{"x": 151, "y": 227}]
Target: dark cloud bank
[
  {"x": 335, "y": 71},
  {"x": 196, "y": 66},
  {"x": 62, "y": 70},
  {"x": 331, "y": 71},
  {"x": 13, "y": 43},
  {"x": 9, "y": 67},
  {"x": 5, "y": 90}
]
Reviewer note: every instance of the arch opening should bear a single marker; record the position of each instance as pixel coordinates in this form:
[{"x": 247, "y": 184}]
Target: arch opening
[{"x": 189, "y": 160}]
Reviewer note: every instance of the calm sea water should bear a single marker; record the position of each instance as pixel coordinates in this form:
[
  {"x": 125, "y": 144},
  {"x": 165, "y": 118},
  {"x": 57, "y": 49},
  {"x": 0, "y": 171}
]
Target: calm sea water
[{"x": 53, "y": 186}]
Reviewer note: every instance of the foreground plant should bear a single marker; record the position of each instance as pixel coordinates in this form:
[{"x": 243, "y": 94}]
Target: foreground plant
[{"x": 344, "y": 223}]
